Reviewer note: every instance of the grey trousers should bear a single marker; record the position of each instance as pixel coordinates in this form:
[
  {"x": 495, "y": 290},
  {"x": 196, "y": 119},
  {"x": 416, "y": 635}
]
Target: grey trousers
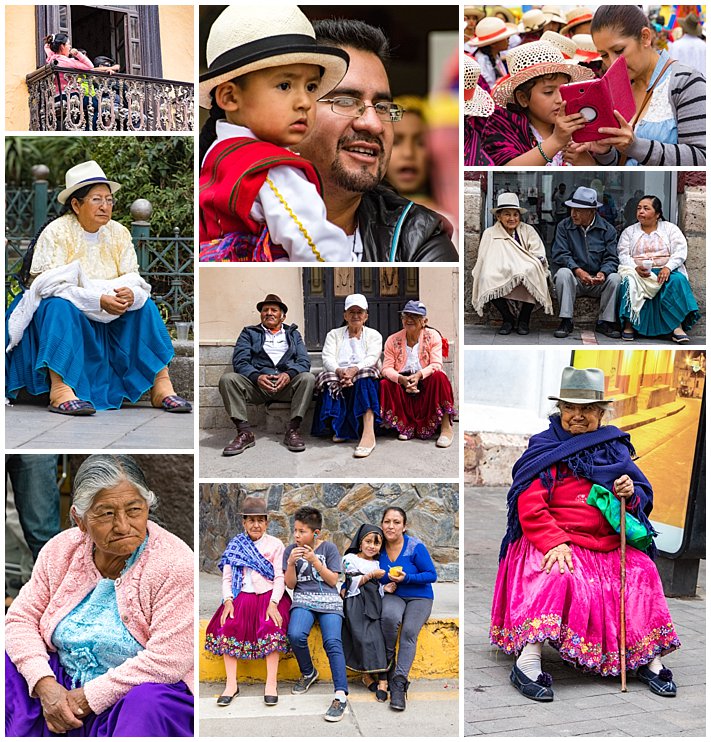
[
  {"x": 568, "y": 288},
  {"x": 410, "y": 614},
  {"x": 237, "y": 391}
]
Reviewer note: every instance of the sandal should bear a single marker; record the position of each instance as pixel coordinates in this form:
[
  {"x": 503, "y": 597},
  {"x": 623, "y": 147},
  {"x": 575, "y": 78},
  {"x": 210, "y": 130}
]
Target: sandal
[
  {"x": 75, "y": 407},
  {"x": 174, "y": 403},
  {"x": 680, "y": 339}
]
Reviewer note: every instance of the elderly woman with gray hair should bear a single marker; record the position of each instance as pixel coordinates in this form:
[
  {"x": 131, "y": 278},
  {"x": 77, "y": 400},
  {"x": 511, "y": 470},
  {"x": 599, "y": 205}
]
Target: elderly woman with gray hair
[
  {"x": 559, "y": 570},
  {"x": 103, "y": 631}
]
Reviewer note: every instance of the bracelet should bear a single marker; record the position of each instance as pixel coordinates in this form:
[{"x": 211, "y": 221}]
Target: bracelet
[{"x": 543, "y": 154}]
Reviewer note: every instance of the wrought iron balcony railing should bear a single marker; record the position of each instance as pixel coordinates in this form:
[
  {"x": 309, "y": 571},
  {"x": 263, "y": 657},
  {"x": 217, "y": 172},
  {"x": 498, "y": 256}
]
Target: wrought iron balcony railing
[{"x": 63, "y": 99}]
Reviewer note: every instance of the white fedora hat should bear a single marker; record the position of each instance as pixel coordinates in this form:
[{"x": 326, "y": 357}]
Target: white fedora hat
[
  {"x": 84, "y": 174},
  {"x": 582, "y": 386},
  {"x": 532, "y": 20},
  {"x": 567, "y": 46},
  {"x": 245, "y": 38},
  {"x": 477, "y": 102},
  {"x": 507, "y": 201}
]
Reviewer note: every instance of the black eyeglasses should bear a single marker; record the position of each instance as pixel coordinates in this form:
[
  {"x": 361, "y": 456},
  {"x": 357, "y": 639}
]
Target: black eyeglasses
[{"x": 347, "y": 105}]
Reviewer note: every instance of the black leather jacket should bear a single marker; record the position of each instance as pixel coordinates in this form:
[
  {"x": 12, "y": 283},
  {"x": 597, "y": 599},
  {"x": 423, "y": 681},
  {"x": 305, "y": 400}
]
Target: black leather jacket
[{"x": 395, "y": 229}]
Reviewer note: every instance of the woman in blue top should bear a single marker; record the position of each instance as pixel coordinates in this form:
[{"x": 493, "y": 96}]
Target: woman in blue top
[{"x": 407, "y": 603}]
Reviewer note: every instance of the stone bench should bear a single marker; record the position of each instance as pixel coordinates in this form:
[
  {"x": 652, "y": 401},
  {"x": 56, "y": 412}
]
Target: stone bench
[{"x": 586, "y": 310}]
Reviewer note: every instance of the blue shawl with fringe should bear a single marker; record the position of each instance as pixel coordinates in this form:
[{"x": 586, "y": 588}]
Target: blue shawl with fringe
[
  {"x": 601, "y": 456},
  {"x": 241, "y": 552}
]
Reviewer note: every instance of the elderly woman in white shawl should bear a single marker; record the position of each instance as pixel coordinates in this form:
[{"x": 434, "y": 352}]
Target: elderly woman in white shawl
[{"x": 511, "y": 267}]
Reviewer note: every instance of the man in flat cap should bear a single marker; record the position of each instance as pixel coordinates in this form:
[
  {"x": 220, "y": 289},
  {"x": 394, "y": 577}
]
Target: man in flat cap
[{"x": 270, "y": 363}]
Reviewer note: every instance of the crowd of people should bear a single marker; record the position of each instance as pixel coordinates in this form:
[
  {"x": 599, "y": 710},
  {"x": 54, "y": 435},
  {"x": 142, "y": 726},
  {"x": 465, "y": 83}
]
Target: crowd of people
[
  {"x": 639, "y": 275},
  {"x": 516, "y": 70},
  {"x": 358, "y": 393},
  {"x": 386, "y": 589}
]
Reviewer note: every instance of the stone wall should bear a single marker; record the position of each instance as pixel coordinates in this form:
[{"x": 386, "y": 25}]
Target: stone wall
[
  {"x": 473, "y": 224},
  {"x": 692, "y": 222},
  {"x": 171, "y": 477},
  {"x": 432, "y": 511}
]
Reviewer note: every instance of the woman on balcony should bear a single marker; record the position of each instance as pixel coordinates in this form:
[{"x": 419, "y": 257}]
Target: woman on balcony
[{"x": 86, "y": 330}]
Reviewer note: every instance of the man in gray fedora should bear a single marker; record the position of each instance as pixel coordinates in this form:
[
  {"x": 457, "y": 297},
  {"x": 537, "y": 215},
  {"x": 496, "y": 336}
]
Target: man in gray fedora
[
  {"x": 584, "y": 261},
  {"x": 270, "y": 364}
]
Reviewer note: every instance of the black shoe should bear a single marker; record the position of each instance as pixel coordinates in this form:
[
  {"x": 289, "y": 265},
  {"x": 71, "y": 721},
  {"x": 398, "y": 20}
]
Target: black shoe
[
  {"x": 659, "y": 683},
  {"x": 227, "y": 700},
  {"x": 381, "y": 695},
  {"x": 398, "y": 693},
  {"x": 522, "y": 328},
  {"x": 537, "y": 690},
  {"x": 506, "y": 328},
  {"x": 609, "y": 329},
  {"x": 271, "y": 700},
  {"x": 564, "y": 328}
]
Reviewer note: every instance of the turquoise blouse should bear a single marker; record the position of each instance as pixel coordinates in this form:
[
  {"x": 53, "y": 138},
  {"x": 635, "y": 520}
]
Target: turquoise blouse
[{"x": 92, "y": 639}]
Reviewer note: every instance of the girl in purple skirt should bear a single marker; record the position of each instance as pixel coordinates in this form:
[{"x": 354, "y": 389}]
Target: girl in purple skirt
[{"x": 251, "y": 623}]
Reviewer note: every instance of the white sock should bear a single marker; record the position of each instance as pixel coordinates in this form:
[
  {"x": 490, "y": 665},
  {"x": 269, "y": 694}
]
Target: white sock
[
  {"x": 656, "y": 665},
  {"x": 529, "y": 661},
  {"x": 341, "y": 696}
]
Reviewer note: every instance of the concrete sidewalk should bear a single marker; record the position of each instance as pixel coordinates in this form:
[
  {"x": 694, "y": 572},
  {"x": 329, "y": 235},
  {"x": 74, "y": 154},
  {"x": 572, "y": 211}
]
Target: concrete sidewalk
[
  {"x": 489, "y": 335},
  {"x": 323, "y": 458},
  {"x": 585, "y": 705},
  {"x": 133, "y": 426}
]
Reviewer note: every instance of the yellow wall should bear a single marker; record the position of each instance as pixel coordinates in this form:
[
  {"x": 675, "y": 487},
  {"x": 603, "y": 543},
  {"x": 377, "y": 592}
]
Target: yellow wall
[
  {"x": 20, "y": 60},
  {"x": 177, "y": 42}
]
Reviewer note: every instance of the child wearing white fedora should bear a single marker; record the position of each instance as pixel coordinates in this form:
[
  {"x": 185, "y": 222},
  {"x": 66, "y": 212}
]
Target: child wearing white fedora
[
  {"x": 530, "y": 126},
  {"x": 258, "y": 200}
]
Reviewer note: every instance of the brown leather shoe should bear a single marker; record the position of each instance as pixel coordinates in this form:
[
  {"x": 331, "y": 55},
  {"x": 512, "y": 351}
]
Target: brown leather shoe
[
  {"x": 244, "y": 440},
  {"x": 293, "y": 440}
]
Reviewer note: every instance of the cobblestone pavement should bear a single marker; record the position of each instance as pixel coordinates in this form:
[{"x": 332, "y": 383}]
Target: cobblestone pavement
[{"x": 585, "y": 705}]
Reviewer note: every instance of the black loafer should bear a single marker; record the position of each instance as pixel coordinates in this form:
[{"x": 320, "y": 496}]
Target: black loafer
[
  {"x": 523, "y": 328},
  {"x": 564, "y": 328},
  {"x": 506, "y": 328},
  {"x": 271, "y": 700},
  {"x": 227, "y": 700},
  {"x": 537, "y": 690},
  {"x": 659, "y": 683},
  {"x": 608, "y": 329}
]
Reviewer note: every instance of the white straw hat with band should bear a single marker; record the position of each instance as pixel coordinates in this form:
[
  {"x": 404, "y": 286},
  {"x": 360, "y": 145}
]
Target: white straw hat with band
[
  {"x": 507, "y": 201},
  {"x": 490, "y": 30},
  {"x": 84, "y": 174},
  {"x": 585, "y": 51},
  {"x": 532, "y": 20},
  {"x": 247, "y": 38},
  {"x": 477, "y": 102},
  {"x": 552, "y": 14},
  {"x": 575, "y": 17},
  {"x": 564, "y": 43},
  {"x": 533, "y": 60}
]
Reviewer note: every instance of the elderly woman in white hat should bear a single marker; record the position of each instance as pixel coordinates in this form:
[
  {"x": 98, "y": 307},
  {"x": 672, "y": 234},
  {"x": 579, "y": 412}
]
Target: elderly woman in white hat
[
  {"x": 478, "y": 106},
  {"x": 86, "y": 330},
  {"x": 348, "y": 407},
  {"x": 492, "y": 38},
  {"x": 559, "y": 569},
  {"x": 511, "y": 267},
  {"x": 531, "y": 127}
]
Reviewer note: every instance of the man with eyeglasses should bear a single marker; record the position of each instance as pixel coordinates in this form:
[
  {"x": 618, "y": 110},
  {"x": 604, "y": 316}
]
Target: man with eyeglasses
[{"x": 350, "y": 146}]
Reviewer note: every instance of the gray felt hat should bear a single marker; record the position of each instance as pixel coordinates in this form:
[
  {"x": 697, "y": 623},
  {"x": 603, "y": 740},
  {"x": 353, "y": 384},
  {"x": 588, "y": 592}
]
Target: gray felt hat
[{"x": 582, "y": 386}]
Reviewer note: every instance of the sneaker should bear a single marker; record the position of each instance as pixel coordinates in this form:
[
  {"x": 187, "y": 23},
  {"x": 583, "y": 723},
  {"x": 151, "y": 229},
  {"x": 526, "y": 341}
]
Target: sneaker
[
  {"x": 564, "y": 328},
  {"x": 335, "y": 710},
  {"x": 304, "y": 683}
]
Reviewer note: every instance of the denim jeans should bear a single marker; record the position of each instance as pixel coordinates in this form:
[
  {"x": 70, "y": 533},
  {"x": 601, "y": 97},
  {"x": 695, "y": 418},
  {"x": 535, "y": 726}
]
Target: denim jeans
[
  {"x": 300, "y": 622},
  {"x": 34, "y": 485}
]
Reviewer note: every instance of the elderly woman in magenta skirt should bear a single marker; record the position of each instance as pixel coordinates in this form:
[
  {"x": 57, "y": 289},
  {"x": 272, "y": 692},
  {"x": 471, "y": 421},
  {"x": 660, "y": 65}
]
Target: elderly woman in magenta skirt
[
  {"x": 252, "y": 621},
  {"x": 559, "y": 570}
]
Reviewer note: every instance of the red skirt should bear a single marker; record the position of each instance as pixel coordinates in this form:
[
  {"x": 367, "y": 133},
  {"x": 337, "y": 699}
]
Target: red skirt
[
  {"x": 417, "y": 415},
  {"x": 248, "y": 635}
]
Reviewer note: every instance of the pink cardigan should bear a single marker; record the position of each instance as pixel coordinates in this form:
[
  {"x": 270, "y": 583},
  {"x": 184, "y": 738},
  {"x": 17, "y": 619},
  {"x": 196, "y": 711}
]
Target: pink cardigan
[
  {"x": 272, "y": 550},
  {"x": 395, "y": 353},
  {"x": 155, "y": 602}
]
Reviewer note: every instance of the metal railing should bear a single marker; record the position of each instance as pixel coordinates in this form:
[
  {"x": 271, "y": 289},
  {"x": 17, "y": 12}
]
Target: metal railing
[
  {"x": 62, "y": 99},
  {"x": 165, "y": 262}
]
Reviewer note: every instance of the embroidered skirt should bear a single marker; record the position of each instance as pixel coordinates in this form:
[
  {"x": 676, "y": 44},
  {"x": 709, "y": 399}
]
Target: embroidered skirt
[
  {"x": 673, "y": 305},
  {"x": 342, "y": 415},
  {"x": 249, "y": 635},
  {"x": 104, "y": 363},
  {"x": 579, "y": 613},
  {"x": 417, "y": 415},
  {"x": 147, "y": 710}
]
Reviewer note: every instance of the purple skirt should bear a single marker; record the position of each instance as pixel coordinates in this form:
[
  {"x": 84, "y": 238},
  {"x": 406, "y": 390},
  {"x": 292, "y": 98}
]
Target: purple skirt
[
  {"x": 147, "y": 710},
  {"x": 579, "y": 613},
  {"x": 249, "y": 635}
]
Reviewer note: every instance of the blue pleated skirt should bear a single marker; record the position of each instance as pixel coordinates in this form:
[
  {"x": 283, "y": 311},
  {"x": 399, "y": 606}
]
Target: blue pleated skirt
[
  {"x": 342, "y": 415},
  {"x": 673, "y": 305},
  {"x": 104, "y": 363}
]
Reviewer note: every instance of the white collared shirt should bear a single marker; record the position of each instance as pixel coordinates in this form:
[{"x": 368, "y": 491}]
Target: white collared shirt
[{"x": 275, "y": 344}]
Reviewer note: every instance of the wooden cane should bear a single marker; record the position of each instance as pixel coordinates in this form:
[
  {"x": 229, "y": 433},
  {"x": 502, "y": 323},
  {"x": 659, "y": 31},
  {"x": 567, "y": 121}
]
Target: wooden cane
[{"x": 623, "y": 579}]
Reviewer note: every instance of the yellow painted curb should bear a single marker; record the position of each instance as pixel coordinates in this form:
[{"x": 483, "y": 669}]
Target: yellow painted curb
[{"x": 437, "y": 656}]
